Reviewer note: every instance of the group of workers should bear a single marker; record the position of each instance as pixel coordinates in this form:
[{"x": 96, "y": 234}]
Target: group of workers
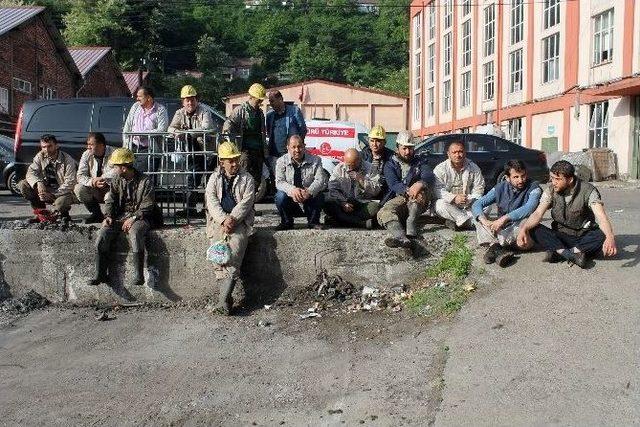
[{"x": 373, "y": 187}]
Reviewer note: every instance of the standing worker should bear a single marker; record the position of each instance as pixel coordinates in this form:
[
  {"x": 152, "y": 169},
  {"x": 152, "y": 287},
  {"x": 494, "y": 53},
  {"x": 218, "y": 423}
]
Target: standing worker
[{"x": 283, "y": 121}]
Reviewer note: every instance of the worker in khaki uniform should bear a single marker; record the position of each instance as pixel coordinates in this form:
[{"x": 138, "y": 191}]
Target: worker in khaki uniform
[
  {"x": 410, "y": 182},
  {"x": 230, "y": 196},
  {"x": 459, "y": 182},
  {"x": 50, "y": 180},
  {"x": 130, "y": 208},
  {"x": 247, "y": 122},
  {"x": 94, "y": 174},
  {"x": 352, "y": 186}
]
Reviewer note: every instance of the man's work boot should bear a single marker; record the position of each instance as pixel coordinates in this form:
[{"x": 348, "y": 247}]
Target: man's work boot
[
  {"x": 412, "y": 219},
  {"x": 225, "y": 300},
  {"x": 580, "y": 259},
  {"x": 491, "y": 254},
  {"x": 451, "y": 225},
  {"x": 138, "y": 269},
  {"x": 504, "y": 256},
  {"x": 96, "y": 214},
  {"x": 398, "y": 239},
  {"x": 100, "y": 276},
  {"x": 551, "y": 257}
]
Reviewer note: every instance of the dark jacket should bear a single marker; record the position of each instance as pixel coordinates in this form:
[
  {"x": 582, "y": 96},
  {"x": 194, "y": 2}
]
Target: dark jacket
[
  {"x": 387, "y": 154},
  {"x": 571, "y": 217},
  {"x": 118, "y": 205},
  {"x": 295, "y": 124},
  {"x": 419, "y": 171}
]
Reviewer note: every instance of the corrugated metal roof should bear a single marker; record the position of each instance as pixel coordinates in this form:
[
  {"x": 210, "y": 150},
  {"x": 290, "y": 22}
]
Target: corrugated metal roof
[
  {"x": 11, "y": 17},
  {"x": 87, "y": 57},
  {"x": 131, "y": 77}
]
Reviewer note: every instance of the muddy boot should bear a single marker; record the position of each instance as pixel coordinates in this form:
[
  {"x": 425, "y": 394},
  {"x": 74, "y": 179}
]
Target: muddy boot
[
  {"x": 412, "y": 219},
  {"x": 225, "y": 300},
  {"x": 398, "y": 239},
  {"x": 96, "y": 215},
  {"x": 100, "y": 276},
  {"x": 138, "y": 269}
]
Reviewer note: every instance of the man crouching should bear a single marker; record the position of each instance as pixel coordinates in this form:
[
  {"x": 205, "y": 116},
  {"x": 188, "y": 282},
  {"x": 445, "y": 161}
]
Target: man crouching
[{"x": 230, "y": 196}]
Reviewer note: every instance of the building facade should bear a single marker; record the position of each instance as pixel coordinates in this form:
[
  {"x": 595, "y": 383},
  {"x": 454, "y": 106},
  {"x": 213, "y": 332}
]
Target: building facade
[
  {"x": 101, "y": 74},
  {"x": 555, "y": 75}
]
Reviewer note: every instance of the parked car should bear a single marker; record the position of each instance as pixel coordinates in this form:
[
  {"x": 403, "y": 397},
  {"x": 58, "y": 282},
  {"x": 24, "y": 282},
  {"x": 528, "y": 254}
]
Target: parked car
[
  {"x": 489, "y": 152},
  {"x": 7, "y": 165},
  {"x": 70, "y": 120}
]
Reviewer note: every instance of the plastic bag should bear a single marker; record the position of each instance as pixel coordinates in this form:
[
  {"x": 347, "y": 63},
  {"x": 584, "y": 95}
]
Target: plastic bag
[{"x": 219, "y": 252}]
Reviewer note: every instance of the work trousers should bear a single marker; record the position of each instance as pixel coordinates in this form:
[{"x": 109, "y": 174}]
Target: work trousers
[
  {"x": 452, "y": 212},
  {"x": 505, "y": 237},
  {"x": 397, "y": 209},
  {"x": 553, "y": 240},
  {"x": 252, "y": 161},
  {"x": 137, "y": 234},
  {"x": 61, "y": 204},
  {"x": 88, "y": 195},
  {"x": 288, "y": 209},
  {"x": 361, "y": 212},
  {"x": 237, "y": 242}
]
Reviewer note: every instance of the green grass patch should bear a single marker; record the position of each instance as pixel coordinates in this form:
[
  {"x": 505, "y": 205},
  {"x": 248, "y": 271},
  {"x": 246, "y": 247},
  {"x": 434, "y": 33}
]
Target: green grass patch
[{"x": 456, "y": 261}]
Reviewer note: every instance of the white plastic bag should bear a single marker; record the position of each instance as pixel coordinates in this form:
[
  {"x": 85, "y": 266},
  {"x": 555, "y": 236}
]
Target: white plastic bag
[{"x": 219, "y": 252}]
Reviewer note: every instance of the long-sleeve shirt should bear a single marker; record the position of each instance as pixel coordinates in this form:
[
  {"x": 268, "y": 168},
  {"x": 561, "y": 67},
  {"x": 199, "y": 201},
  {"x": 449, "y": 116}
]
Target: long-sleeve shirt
[
  {"x": 65, "y": 170},
  {"x": 314, "y": 177},
  {"x": 88, "y": 167},
  {"x": 281, "y": 126},
  {"x": 518, "y": 214},
  {"x": 130, "y": 198},
  {"x": 342, "y": 188},
  {"x": 199, "y": 120},
  {"x": 154, "y": 120},
  {"x": 399, "y": 182},
  {"x": 243, "y": 190},
  {"x": 470, "y": 180}
]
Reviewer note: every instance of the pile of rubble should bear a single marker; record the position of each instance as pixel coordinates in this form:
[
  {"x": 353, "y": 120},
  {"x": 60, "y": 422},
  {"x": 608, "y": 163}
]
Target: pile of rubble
[{"x": 26, "y": 303}]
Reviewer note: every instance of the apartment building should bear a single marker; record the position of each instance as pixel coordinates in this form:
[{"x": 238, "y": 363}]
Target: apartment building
[{"x": 557, "y": 75}]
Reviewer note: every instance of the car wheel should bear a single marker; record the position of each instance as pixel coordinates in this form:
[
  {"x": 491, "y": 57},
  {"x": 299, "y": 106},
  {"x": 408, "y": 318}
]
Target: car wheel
[{"x": 12, "y": 183}]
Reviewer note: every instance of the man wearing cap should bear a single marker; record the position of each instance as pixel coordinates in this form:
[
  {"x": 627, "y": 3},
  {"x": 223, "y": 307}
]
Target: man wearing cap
[
  {"x": 50, "y": 179},
  {"x": 352, "y": 186},
  {"x": 410, "y": 182},
  {"x": 230, "y": 195},
  {"x": 246, "y": 123},
  {"x": 192, "y": 117},
  {"x": 130, "y": 208},
  {"x": 94, "y": 174}
]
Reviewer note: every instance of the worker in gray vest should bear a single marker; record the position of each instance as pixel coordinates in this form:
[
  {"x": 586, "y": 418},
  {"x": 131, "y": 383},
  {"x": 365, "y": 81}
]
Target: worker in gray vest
[{"x": 580, "y": 227}]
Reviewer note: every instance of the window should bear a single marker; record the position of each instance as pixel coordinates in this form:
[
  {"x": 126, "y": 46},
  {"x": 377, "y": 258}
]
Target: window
[
  {"x": 514, "y": 129},
  {"x": 489, "y": 81},
  {"x": 4, "y": 100},
  {"x": 466, "y": 7},
  {"x": 465, "y": 92},
  {"x": 416, "y": 107},
  {"x": 61, "y": 118},
  {"x": 599, "y": 125},
  {"x": 480, "y": 143},
  {"x": 550, "y": 13},
  {"x": 417, "y": 30},
  {"x": 417, "y": 75},
  {"x": 517, "y": 21},
  {"x": 515, "y": 67},
  {"x": 431, "y": 58},
  {"x": 432, "y": 21},
  {"x": 464, "y": 130},
  {"x": 489, "y": 29},
  {"x": 111, "y": 118},
  {"x": 603, "y": 37},
  {"x": 448, "y": 14},
  {"x": 430, "y": 102},
  {"x": 446, "y": 97},
  {"x": 466, "y": 43},
  {"x": 447, "y": 54},
  {"x": 21, "y": 85},
  {"x": 551, "y": 58}
]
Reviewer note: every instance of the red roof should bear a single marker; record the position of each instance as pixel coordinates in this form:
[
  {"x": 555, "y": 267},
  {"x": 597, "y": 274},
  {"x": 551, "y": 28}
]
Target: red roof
[
  {"x": 131, "y": 77},
  {"x": 11, "y": 17},
  {"x": 86, "y": 57}
]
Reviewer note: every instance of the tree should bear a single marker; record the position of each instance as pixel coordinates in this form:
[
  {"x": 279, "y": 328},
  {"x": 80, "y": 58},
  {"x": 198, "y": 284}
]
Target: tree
[
  {"x": 396, "y": 82},
  {"x": 312, "y": 62}
]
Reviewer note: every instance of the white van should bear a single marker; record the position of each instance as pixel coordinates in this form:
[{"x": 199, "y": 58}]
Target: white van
[{"x": 329, "y": 139}]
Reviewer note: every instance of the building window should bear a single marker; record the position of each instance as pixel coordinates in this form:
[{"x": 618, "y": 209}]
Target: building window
[
  {"x": 514, "y": 128},
  {"x": 466, "y": 7},
  {"x": 465, "y": 92},
  {"x": 417, "y": 75},
  {"x": 416, "y": 107},
  {"x": 464, "y": 130},
  {"x": 448, "y": 14},
  {"x": 430, "y": 102},
  {"x": 517, "y": 21},
  {"x": 489, "y": 81},
  {"x": 417, "y": 31},
  {"x": 4, "y": 100},
  {"x": 432, "y": 21},
  {"x": 447, "y": 54},
  {"x": 515, "y": 71},
  {"x": 21, "y": 85},
  {"x": 551, "y": 58},
  {"x": 431, "y": 57},
  {"x": 489, "y": 29},
  {"x": 446, "y": 97},
  {"x": 466, "y": 43},
  {"x": 603, "y": 37},
  {"x": 599, "y": 125},
  {"x": 551, "y": 13}
]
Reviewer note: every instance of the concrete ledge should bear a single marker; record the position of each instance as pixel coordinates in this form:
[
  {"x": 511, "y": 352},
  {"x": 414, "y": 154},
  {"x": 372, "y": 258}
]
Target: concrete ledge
[{"x": 57, "y": 264}]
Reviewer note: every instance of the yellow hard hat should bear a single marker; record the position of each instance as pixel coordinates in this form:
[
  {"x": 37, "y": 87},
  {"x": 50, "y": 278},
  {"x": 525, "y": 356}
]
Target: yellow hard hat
[
  {"x": 228, "y": 150},
  {"x": 377, "y": 132},
  {"x": 122, "y": 156},
  {"x": 258, "y": 91},
  {"x": 188, "y": 91}
]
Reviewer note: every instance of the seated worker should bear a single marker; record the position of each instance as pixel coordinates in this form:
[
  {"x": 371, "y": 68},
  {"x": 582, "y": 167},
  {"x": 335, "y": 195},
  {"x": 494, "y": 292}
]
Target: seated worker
[
  {"x": 229, "y": 197},
  {"x": 93, "y": 176},
  {"x": 516, "y": 198},
  {"x": 352, "y": 185},
  {"x": 459, "y": 183},
  {"x": 580, "y": 227},
  {"x": 130, "y": 208},
  {"x": 50, "y": 180},
  {"x": 192, "y": 117},
  {"x": 410, "y": 182},
  {"x": 378, "y": 154},
  {"x": 300, "y": 180}
]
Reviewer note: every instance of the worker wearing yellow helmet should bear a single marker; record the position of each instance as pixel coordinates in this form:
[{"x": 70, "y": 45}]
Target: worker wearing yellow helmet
[
  {"x": 189, "y": 126},
  {"x": 246, "y": 127},
  {"x": 377, "y": 153},
  {"x": 129, "y": 207},
  {"x": 230, "y": 196}
]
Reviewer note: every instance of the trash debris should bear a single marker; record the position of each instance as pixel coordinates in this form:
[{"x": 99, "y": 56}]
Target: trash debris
[
  {"x": 469, "y": 287},
  {"x": 263, "y": 323},
  {"x": 268, "y": 306},
  {"x": 310, "y": 315},
  {"x": 104, "y": 316},
  {"x": 619, "y": 210},
  {"x": 26, "y": 303}
]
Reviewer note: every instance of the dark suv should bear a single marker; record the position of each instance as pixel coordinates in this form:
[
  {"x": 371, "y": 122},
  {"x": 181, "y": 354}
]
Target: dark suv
[{"x": 70, "y": 120}]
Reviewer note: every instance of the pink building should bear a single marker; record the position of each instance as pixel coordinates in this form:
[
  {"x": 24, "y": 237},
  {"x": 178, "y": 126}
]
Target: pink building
[{"x": 554, "y": 75}]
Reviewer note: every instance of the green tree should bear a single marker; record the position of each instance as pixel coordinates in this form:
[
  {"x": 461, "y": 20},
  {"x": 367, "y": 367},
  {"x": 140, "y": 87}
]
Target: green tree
[
  {"x": 396, "y": 82},
  {"x": 311, "y": 62}
]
